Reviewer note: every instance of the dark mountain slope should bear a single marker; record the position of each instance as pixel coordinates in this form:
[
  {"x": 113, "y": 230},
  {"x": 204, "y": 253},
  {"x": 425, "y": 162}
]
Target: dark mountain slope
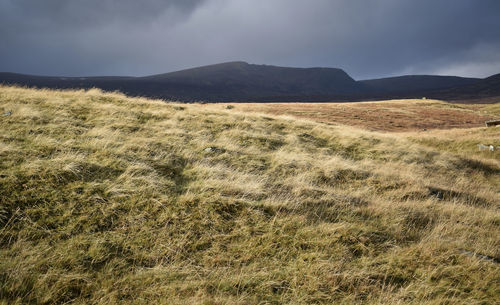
[
  {"x": 15, "y": 77},
  {"x": 266, "y": 78},
  {"x": 450, "y": 88},
  {"x": 416, "y": 83},
  {"x": 109, "y": 83},
  {"x": 488, "y": 87},
  {"x": 245, "y": 82}
]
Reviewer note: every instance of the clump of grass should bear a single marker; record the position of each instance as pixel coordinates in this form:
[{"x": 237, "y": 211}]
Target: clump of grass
[{"x": 106, "y": 199}]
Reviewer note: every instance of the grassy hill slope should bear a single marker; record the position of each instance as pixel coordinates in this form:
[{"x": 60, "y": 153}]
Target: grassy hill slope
[{"x": 111, "y": 200}]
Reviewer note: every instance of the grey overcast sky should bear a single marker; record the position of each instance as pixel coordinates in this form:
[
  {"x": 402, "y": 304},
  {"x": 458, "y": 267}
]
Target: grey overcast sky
[{"x": 366, "y": 38}]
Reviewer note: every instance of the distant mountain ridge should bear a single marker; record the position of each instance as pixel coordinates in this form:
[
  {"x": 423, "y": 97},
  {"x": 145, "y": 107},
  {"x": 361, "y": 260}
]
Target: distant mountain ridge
[
  {"x": 417, "y": 83},
  {"x": 243, "y": 82}
]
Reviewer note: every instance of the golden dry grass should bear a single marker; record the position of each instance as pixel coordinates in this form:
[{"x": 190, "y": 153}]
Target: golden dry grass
[
  {"x": 391, "y": 115},
  {"x": 112, "y": 200}
]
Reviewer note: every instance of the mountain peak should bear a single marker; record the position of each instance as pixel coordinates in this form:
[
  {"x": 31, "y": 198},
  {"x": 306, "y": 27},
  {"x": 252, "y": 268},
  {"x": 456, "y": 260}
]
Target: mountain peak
[{"x": 239, "y": 77}]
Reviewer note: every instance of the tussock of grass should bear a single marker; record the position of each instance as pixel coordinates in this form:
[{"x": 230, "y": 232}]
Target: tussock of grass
[{"x": 107, "y": 199}]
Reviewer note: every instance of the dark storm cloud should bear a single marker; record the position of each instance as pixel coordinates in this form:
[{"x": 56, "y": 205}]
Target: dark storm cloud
[
  {"x": 366, "y": 38},
  {"x": 85, "y": 13}
]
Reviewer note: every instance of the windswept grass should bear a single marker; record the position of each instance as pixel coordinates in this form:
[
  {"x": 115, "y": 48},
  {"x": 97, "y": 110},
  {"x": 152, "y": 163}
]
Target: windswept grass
[
  {"x": 112, "y": 200},
  {"x": 389, "y": 115}
]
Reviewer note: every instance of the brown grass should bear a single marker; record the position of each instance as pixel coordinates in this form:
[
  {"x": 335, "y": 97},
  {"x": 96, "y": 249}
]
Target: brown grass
[{"x": 393, "y": 115}]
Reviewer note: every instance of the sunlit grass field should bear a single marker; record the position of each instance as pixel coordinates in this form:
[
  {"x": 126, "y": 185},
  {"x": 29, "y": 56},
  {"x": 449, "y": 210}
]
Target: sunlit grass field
[
  {"x": 106, "y": 199},
  {"x": 389, "y": 115}
]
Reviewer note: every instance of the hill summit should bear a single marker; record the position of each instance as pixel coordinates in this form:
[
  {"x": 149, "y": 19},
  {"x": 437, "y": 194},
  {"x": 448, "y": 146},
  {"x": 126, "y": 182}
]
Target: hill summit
[{"x": 265, "y": 79}]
